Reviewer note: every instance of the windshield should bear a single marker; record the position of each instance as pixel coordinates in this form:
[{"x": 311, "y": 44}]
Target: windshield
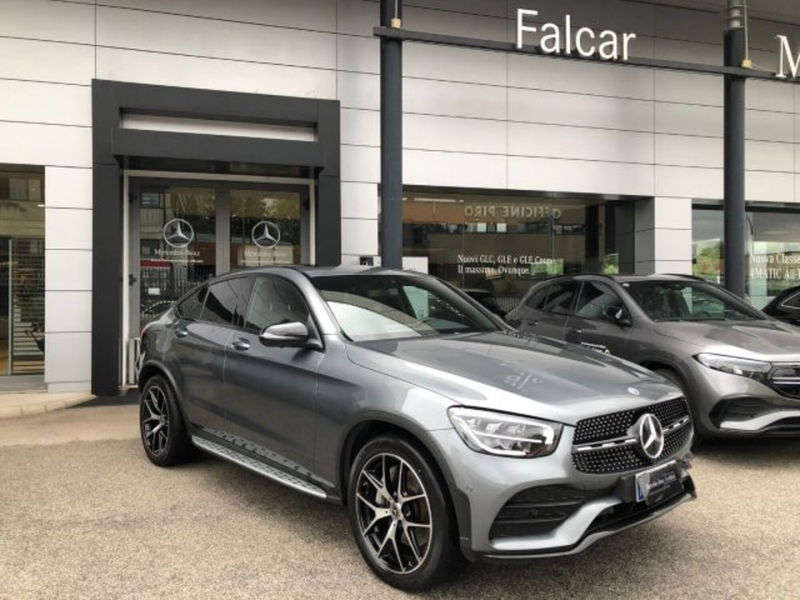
[
  {"x": 689, "y": 301},
  {"x": 377, "y": 307}
]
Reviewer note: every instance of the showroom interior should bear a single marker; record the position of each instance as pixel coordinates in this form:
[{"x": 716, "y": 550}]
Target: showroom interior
[{"x": 128, "y": 174}]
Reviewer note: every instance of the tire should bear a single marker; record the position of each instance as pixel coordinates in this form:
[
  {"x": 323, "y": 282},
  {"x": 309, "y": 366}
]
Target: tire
[
  {"x": 161, "y": 425},
  {"x": 701, "y": 435},
  {"x": 409, "y": 557}
]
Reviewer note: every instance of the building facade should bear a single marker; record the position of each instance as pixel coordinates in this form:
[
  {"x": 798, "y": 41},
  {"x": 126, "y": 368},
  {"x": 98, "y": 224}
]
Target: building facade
[{"x": 147, "y": 145}]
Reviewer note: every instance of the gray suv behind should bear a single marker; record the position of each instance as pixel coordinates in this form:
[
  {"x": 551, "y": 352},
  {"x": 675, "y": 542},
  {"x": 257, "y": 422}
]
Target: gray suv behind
[
  {"x": 445, "y": 433},
  {"x": 739, "y": 369}
]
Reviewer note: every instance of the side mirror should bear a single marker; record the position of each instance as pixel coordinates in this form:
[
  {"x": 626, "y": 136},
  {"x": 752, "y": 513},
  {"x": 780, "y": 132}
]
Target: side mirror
[
  {"x": 288, "y": 335},
  {"x": 616, "y": 314}
]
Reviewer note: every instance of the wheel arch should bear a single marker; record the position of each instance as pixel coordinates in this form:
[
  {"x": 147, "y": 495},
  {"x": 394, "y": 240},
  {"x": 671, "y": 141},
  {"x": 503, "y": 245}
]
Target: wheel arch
[{"x": 151, "y": 368}]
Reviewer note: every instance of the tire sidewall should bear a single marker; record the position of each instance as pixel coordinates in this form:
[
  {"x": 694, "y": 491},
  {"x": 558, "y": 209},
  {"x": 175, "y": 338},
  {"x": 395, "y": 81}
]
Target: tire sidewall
[{"x": 431, "y": 570}]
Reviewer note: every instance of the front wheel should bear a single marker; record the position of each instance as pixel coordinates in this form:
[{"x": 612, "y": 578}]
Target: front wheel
[
  {"x": 163, "y": 432},
  {"x": 400, "y": 515}
]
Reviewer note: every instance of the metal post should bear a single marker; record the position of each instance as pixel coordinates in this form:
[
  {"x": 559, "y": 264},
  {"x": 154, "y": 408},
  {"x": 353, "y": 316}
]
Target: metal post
[
  {"x": 391, "y": 222},
  {"x": 734, "y": 209}
]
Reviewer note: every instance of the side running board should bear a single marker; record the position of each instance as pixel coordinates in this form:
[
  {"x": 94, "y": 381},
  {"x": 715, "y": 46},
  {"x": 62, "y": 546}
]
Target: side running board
[{"x": 259, "y": 467}]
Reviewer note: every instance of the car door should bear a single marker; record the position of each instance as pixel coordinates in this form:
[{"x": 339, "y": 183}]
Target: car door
[
  {"x": 270, "y": 390},
  {"x": 592, "y": 322},
  {"x": 548, "y": 317},
  {"x": 196, "y": 353}
]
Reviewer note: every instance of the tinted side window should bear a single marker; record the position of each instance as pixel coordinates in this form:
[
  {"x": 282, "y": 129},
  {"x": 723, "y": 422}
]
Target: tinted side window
[
  {"x": 792, "y": 301},
  {"x": 538, "y": 298},
  {"x": 559, "y": 300},
  {"x": 275, "y": 301},
  {"x": 595, "y": 299},
  {"x": 193, "y": 305},
  {"x": 227, "y": 301}
]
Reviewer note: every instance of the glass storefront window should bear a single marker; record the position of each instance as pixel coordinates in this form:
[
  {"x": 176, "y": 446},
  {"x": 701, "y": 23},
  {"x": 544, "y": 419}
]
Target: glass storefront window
[
  {"x": 502, "y": 243},
  {"x": 21, "y": 272},
  {"x": 265, "y": 228},
  {"x": 772, "y": 262}
]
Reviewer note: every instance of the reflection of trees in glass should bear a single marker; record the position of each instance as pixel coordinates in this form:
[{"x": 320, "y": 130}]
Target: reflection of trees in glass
[
  {"x": 708, "y": 259},
  {"x": 282, "y": 209},
  {"x": 610, "y": 264}
]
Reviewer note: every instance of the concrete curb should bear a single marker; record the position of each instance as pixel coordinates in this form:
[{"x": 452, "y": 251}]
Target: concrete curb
[{"x": 25, "y": 404}]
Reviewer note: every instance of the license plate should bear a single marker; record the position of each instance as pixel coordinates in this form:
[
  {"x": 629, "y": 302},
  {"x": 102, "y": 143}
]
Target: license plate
[{"x": 655, "y": 484}]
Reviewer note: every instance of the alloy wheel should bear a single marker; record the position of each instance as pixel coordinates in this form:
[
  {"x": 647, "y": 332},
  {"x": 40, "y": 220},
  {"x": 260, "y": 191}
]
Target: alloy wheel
[
  {"x": 394, "y": 513},
  {"x": 155, "y": 420}
]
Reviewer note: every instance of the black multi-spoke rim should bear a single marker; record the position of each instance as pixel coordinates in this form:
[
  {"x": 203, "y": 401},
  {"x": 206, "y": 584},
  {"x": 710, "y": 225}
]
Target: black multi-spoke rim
[
  {"x": 394, "y": 513},
  {"x": 155, "y": 420}
]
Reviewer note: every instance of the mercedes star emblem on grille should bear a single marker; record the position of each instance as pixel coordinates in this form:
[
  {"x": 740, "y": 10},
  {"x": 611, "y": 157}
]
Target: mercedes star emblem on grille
[
  {"x": 651, "y": 435},
  {"x": 265, "y": 234},
  {"x": 178, "y": 233}
]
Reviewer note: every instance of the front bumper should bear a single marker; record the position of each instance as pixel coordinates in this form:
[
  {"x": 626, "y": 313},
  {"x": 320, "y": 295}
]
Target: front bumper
[
  {"x": 485, "y": 484},
  {"x": 732, "y": 405}
]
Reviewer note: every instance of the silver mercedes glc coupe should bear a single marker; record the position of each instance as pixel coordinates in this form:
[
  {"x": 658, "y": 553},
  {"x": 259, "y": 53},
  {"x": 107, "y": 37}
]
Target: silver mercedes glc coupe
[{"x": 448, "y": 435}]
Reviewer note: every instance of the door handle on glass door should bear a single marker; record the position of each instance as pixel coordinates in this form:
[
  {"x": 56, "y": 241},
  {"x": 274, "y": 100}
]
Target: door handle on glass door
[{"x": 241, "y": 345}]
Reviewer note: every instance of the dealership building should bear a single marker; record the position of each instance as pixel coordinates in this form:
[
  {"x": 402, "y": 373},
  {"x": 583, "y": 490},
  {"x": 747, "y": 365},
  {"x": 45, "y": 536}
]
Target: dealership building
[{"x": 146, "y": 145}]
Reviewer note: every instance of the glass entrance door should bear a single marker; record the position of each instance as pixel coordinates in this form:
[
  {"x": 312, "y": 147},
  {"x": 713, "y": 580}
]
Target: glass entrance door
[
  {"x": 182, "y": 232},
  {"x": 174, "y": 243},
  {"x": 266, "y": 226}
]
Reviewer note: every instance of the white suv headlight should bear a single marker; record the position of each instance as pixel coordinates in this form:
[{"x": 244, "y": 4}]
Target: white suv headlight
[
  {"x": 755, "y": 369},
  {"x": 504, "y": 435}
]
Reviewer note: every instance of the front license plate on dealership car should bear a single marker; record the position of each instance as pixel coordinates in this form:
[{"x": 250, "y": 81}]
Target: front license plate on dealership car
[{"x": 656, "y": 484}]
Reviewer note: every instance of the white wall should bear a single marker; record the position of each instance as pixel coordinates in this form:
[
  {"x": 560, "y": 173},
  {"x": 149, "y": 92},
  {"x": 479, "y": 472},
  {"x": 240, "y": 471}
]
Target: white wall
[{"x": 472, "y": 118}]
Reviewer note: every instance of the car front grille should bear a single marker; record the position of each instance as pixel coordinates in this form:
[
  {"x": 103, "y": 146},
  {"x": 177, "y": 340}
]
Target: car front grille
[
  {"x": 786, "y": 380},
  {"x": 605, "y": 444},
  {"x": 539, "y": 510}
]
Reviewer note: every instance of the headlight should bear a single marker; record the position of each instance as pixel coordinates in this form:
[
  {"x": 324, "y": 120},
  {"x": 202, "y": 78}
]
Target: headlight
[
  {"x": 755, "y": 369},
  {"x": 504, "y": 435}
]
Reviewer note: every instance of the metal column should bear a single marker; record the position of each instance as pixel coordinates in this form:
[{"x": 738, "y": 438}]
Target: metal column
[
  {"x": 391, "y": 221},
  {"x": 734, "y": 209}
]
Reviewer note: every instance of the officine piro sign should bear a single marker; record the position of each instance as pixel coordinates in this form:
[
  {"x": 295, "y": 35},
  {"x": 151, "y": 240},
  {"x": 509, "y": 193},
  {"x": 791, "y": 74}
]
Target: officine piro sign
[{"x": 608, "y": 45}]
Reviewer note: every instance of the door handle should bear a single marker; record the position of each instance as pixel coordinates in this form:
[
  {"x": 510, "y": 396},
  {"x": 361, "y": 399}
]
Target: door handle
[
  {"x": 578, "y": 331},
  {"x": 241, "y": 345},
  {"x": 181, "y": 332}
]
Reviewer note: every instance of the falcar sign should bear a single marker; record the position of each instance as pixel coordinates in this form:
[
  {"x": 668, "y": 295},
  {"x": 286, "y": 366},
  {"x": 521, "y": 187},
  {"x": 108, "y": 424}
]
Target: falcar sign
[{"x": 556, "y": 38}]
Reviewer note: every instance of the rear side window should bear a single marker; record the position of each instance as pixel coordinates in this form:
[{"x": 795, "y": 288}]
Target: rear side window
[
  {"x": 275, "y": 301},
  {"x": 559, "y": 300},
  {"x": 192, "y": 307},
  {"x": 227, "y": 300}
]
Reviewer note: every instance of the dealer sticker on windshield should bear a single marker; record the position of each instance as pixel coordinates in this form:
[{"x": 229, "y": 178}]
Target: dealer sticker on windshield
[{"x": 652, "y": 484}]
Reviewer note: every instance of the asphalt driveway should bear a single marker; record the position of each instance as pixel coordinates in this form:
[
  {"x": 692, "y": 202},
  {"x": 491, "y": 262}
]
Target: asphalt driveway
[{"x": 83, "y": 514}]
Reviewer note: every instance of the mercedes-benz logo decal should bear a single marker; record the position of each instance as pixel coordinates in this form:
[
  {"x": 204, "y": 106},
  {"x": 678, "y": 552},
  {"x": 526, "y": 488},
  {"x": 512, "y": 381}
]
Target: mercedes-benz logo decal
[
  {"x": 265, "y": 234},
  {"x": 178, "y": 233},
  {"x": 651, "y": 435}
]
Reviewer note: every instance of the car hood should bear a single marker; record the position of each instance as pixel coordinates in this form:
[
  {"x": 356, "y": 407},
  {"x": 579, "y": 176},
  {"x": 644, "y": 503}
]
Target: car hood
[
  {"x": 769, "y": 340},
  {"x": 519, "y": 374}
]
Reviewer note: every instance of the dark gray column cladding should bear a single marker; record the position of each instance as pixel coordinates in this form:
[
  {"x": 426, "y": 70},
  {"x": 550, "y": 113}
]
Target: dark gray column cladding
[
  {"x": 391, "y": 221},
  {"x": 111, "y": 144},
  {"x": 734, "y": 208}
]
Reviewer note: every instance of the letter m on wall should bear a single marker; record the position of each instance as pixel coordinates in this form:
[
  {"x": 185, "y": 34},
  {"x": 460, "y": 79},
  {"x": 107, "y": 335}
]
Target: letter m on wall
[{"x": 787, "y": 57}]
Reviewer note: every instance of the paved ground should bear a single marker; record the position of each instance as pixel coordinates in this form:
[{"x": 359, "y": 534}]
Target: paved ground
[{"x": 84, "y": 515}]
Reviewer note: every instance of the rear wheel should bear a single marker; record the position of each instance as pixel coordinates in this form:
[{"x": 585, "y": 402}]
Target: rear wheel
[
  {"x": 400, "y": 515},
  {"x": 700, "y": 433},
  {"x": 161, "y": 426}
]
